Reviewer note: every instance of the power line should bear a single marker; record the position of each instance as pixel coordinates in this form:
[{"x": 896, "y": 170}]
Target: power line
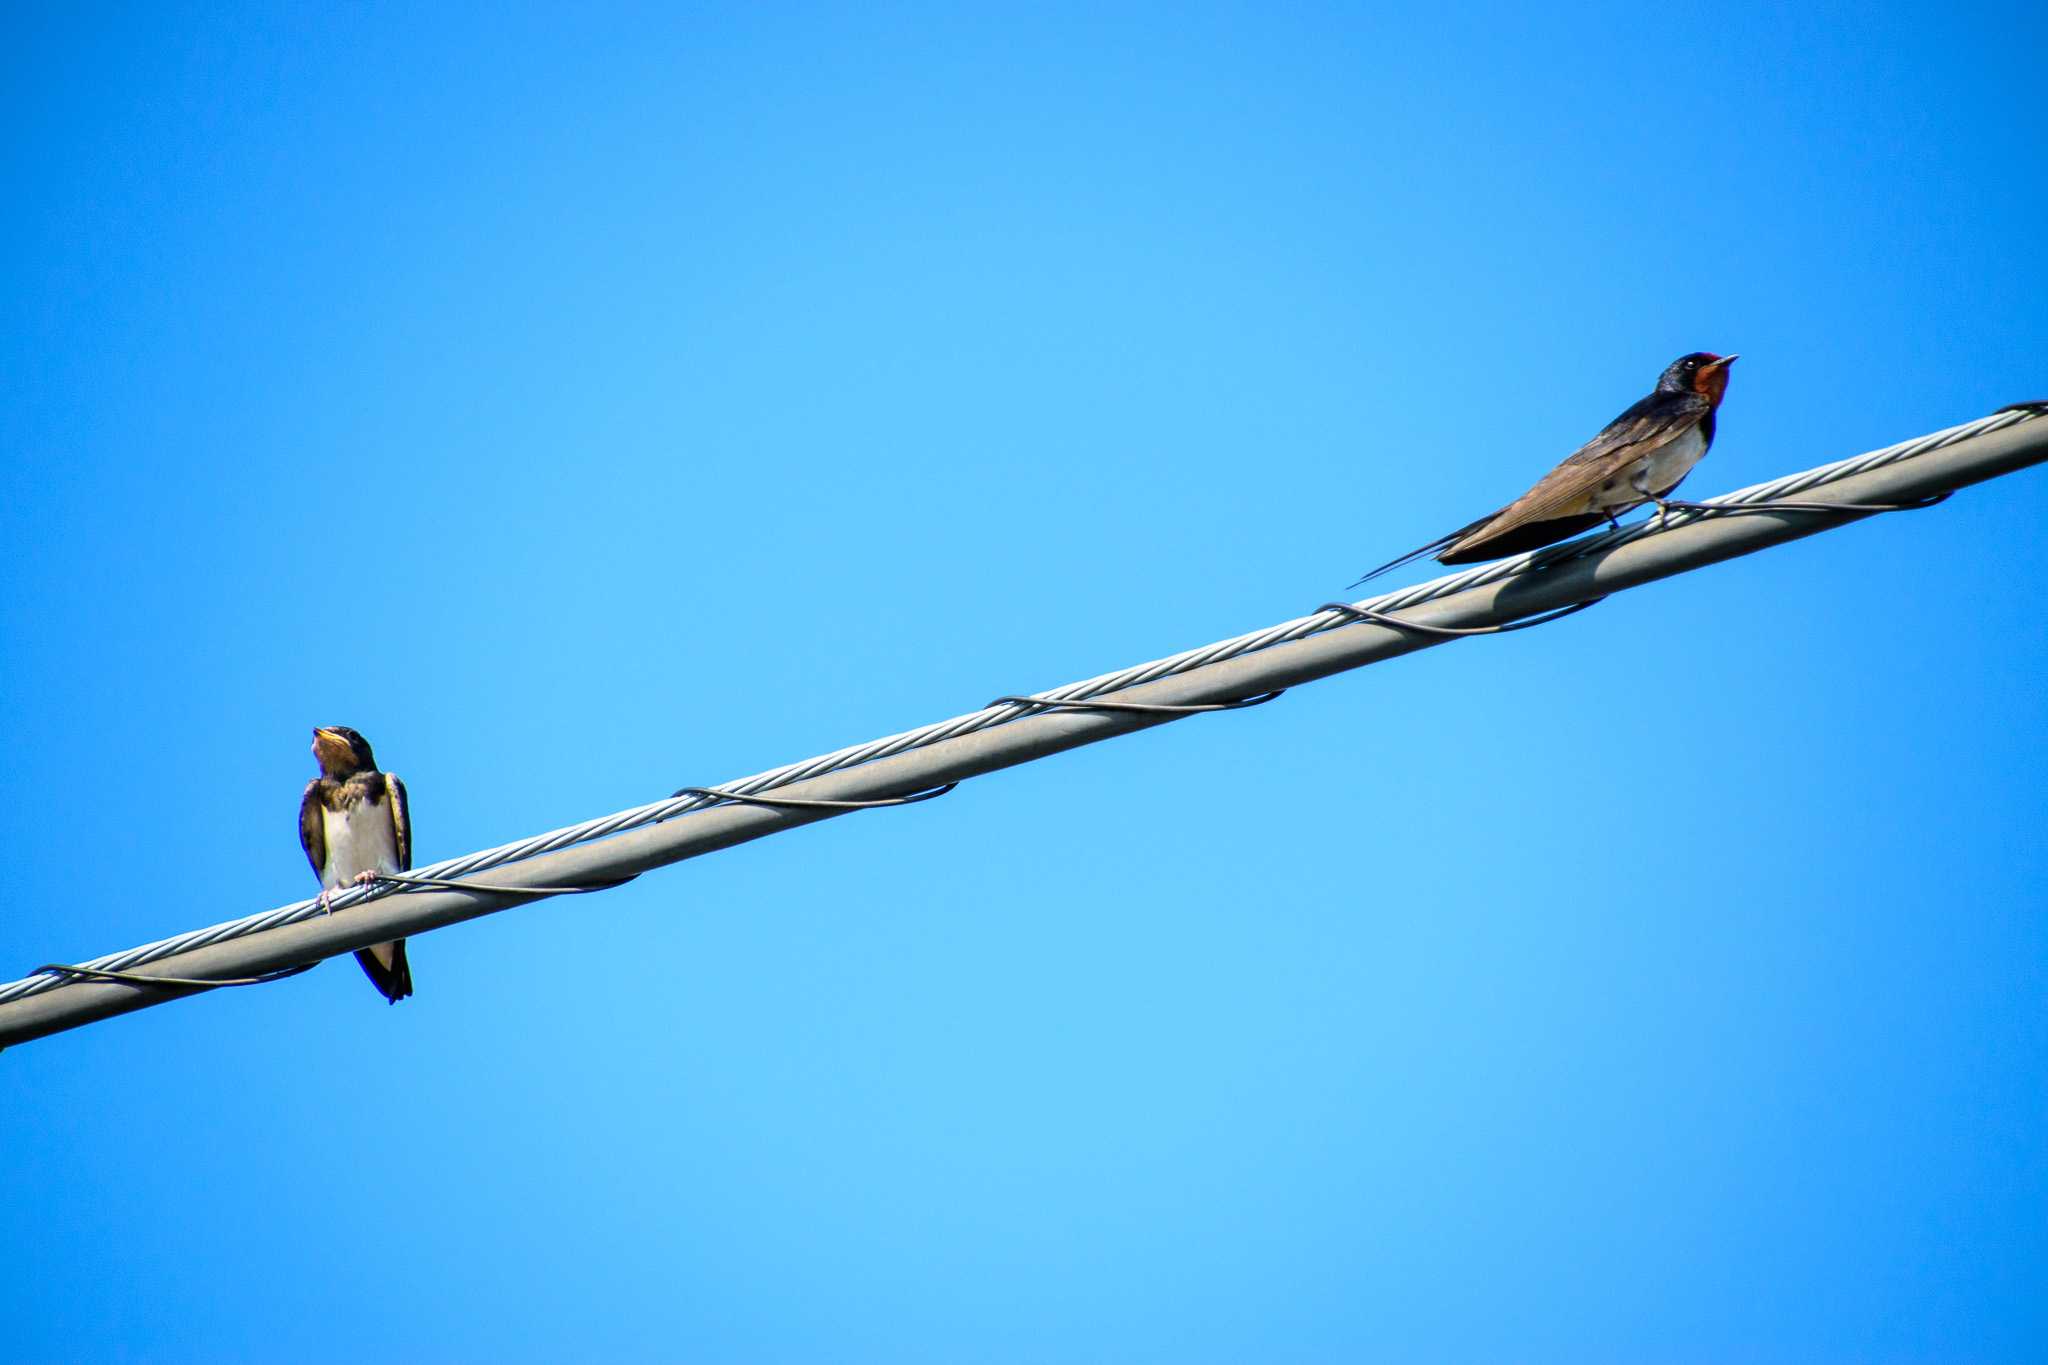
[{"x": 616, "y": 847}]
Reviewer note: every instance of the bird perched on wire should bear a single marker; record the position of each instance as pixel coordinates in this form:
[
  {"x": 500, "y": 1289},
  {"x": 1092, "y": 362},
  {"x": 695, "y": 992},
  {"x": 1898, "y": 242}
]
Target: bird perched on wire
[
  {"x": 1641, "y": 456},
  {"x": 354, "y": 824}
]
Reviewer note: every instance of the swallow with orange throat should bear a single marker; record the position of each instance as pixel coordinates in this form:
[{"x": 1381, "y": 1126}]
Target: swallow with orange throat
[
  {"x": 354, "y": 824},
  {"x": 1641, "y": 456}
]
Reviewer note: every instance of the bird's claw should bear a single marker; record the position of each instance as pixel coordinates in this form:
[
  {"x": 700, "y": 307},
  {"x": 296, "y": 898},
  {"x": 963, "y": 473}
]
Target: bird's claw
[{"x": 327, "y": 894}]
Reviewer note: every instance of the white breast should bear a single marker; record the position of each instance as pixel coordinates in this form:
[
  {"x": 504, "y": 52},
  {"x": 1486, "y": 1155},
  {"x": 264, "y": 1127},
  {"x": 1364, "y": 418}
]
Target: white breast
[
  {"x": 1676, "y": 460},
  {"x": 360, "y": 838},
  {"x": 1661, "y": 471}
]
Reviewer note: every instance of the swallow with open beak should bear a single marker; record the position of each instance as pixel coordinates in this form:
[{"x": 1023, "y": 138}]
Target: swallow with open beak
[
  {"x": 1640, "y": 457},
  {"x": 354, "y": 824}
]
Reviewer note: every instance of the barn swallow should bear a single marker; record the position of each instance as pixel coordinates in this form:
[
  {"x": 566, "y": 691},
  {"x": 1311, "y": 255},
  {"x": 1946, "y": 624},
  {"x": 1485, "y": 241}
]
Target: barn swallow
[
  {"x": 1641, "y": 456},
  {"x": 354, "y": 824}
]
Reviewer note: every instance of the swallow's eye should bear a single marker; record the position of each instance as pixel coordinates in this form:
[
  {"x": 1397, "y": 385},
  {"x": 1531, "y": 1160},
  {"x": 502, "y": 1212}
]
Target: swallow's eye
[{"x": 1692, "y": 364}]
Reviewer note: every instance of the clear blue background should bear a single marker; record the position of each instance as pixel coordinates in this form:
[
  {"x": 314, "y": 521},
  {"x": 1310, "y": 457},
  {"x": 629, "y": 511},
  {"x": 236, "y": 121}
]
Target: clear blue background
[{"x": 586, "y": 401}]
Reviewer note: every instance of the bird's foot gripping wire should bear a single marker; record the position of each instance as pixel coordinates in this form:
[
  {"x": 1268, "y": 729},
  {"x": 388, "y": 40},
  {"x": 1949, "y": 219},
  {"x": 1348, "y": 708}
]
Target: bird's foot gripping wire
[
  {"x": 1140, "y": 708},
  {"x": 1380, "y": 618}
]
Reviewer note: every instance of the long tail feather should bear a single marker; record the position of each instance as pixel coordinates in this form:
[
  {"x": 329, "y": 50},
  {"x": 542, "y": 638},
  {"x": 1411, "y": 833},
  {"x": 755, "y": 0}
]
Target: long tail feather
[
  {"x": 393, "y": 979},
  {"x": 1443, "y": 542}
]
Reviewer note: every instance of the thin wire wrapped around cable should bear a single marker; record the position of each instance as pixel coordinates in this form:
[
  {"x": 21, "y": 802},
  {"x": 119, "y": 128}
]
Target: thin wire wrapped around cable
[
  {"x": 1120, "y": 680},
  {"x": 400, "y": 880},
  {"x": 1139, "y": 707},
  {"x": 799, "y": 803},
  {"x": 407, "y": 879},
  {"x": 1380, "y": 618},
  {"x": 168, "y": 982},
  {"x": 1716, "y": 509}
]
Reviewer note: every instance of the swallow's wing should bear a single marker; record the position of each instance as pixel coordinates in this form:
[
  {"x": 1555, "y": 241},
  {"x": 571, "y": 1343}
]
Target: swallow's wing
[
  {"x": 401, "y": 819},
  {"x": 385, "y": 963},
  {"x": 1521, "y": 538},
  {"x": 313, "y": 830},
  {"x": 1567, "y": 494}
]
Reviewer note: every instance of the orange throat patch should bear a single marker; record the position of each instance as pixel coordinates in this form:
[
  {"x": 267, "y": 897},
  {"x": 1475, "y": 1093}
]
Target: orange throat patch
[{"x": 1711, "y": 382}]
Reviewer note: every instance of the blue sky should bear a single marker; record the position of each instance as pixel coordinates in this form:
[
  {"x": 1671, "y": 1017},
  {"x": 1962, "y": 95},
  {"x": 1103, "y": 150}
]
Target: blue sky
[{"x": 586, "y": 401}]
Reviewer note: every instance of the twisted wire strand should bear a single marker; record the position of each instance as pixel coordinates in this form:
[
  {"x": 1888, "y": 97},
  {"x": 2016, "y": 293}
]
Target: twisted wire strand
[{"x": 1004, "y": 712}]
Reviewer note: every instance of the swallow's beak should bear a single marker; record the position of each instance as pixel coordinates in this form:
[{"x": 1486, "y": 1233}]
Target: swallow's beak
[{"x": 1723, "y": 363}]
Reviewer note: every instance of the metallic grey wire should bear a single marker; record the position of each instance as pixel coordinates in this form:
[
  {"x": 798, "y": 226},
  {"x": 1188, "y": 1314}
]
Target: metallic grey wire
[{"x": 1134, "y": 676}]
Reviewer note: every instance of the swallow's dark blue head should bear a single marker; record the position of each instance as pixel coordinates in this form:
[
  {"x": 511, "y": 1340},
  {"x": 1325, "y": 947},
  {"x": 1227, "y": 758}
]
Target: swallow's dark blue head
[
  {"x": 341, "y": 751},
  {"x": 1702, "y": 372}
]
